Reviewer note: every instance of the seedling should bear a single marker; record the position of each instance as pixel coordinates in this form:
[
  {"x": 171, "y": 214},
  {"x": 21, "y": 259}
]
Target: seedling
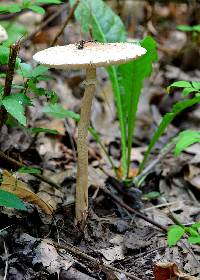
[{"x": 91, "y": 56}]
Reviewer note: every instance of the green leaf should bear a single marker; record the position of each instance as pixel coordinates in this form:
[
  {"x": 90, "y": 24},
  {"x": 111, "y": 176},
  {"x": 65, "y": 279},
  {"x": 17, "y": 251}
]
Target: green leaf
[
  {"x": 10, "y": 200},
  {"x": 132, "y": 76},
  {"x": 4, "y": 55},
  {"x": 37, "y": 9},
  {"x": 26, "y": 3},
  {"x": 45, "y": 130},
  {"x": 29, "y": 170},
  {"x": 167, "y": 119},
  {"x": 13, "y": 106},
  {"x": 194, "y": 239},
  {"x": 185, "y": 28},
  {"x": 181, "y": 84},
  {"x": 152, "y": 195},
  {"x": 15, "y": 32},
  {"x": 196, "y": 28},
  {"x": 48, "y": 2},
  {"x": 196, "y": 85},
  {"x": 106, "y": 25},
  {"x": 39, "y": 70},
  {"x": 57, "y": 111},
  {"x": 4, "y": 8},
  {"x": 186, "y": 139},
  {"x": 188, "y": 90},
  {"x": 174, "y": 234},
  {"x": 191, "y": 231},
  {"x": 14, "y": 8},
  {"x": 25, "y": 70},
  {"x": 196, "y": 225}
]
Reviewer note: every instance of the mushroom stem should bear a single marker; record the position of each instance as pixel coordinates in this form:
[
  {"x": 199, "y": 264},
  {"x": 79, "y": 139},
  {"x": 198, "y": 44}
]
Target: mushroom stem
[{"x": 82, "y": 149}]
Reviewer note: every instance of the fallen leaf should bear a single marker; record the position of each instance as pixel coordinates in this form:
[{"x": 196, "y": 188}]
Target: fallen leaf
[
  {"x": 17, "y": 187},
  {"x": 167, "y": 271}
]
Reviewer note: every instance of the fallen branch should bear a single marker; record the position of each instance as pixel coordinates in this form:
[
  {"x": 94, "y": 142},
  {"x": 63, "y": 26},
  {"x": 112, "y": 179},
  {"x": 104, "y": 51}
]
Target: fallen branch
[
  {"x": 98, "y": 263},
  {"x": 132, "y": 210}
]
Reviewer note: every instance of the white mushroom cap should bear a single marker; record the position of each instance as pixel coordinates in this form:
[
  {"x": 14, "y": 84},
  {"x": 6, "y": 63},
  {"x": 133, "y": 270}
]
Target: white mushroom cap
[
  {"x": 92, "y": 55},
  {"x": 3, "y": 34}
]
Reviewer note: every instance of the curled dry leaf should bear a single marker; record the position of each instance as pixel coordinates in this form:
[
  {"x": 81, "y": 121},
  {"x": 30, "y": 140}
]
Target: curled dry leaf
[
  {"x": 167, "y": 271},
  {"x": 19, "y": 188}
]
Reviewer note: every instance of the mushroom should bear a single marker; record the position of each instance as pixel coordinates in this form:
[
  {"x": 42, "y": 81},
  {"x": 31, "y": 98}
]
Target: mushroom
[{"x": 86, "y": 55}]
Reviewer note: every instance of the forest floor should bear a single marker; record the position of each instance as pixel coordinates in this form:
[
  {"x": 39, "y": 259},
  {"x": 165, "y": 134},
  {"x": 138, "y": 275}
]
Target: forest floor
[{"x": 116, "y": 244}]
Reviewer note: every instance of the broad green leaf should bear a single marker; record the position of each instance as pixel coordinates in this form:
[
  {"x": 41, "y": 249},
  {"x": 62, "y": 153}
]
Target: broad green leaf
[
  {"x": 196, "y": 225},
  {"x": 57, "y": 111},
  {"x": 48, "y": 2},
  {"x": 4, "y": 54},
  {"x": 45, "y": 130},
  {"x": 10, "y": 200},
  {"x": 185, "y": 28},
  {"x": 37, "y": 9},
  {"x": 194, "y": 239},
  {"x": 132, "y": 76},
  {"x": 191, "y": 231},
  {"x": 26, "y": 3},
  {"x": 181, "y": 84},
  {"x": 174, "y": 234},
  {"x": 196, "y": 85},
  {"x": 25, "y": 70},
  {"x": 14, "y": 8},
  {"x": 39, "y": 70},
  {"x": 14, "y": 107},
  {"x": 4, "y": 8},
  {"x": 185, "y": 139},
  {"x": 29, "y": 170},
  {"x": 167, "y": 119},
  {"x": 187, "y": 91},
  {"x": 106, "y": 25},
  {"x": 196, "y": 28}
]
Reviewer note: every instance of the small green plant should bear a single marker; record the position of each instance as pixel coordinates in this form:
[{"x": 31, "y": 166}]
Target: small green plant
[
  {"x": 33, "y": 5},
  {"x": 176, "y": 232},
  {"x": 188, "y": 87},
  {"x": 194, "y": 31}
]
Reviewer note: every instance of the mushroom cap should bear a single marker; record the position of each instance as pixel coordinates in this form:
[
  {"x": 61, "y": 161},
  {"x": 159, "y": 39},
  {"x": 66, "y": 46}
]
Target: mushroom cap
[{"x": 91, "y": 55}]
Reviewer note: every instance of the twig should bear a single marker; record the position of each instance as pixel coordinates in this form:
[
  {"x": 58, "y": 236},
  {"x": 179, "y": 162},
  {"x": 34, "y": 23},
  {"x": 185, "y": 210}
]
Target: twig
[
  {"x": 14, "y": 50},
  {"x": 99, "y": 264},
  {"x": 19, "y": 165},
  {"x": 45, "y": 23},
  {"x": 6, "y": 259},
  {"x": 71, "y": 13},
  {"x": 132, "y": 210}
]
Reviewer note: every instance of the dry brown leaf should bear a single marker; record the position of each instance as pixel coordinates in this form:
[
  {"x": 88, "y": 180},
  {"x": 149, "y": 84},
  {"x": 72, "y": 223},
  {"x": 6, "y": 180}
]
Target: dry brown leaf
[
  {"x": 170, "y": 271},
  {"x": 17, "y": 187}
]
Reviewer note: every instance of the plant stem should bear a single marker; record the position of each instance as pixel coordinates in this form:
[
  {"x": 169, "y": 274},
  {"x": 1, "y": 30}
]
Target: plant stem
[
  {"x": 14, "y": 50},
  {"x": 82, "y": 149}
]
